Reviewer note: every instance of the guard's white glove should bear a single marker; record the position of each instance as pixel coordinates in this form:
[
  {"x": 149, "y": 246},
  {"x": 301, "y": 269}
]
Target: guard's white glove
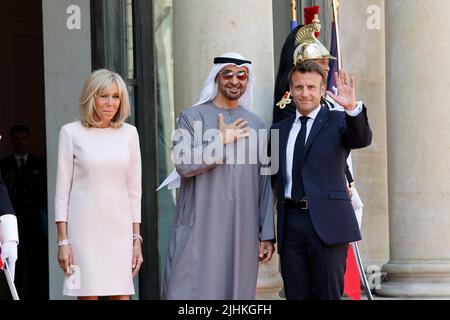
[
  {"x": 9, "y": 254},
  {"x": 356, "y": 199},
  {"x": 357, "y": 205},
  {"x": 9, "y": 238}
]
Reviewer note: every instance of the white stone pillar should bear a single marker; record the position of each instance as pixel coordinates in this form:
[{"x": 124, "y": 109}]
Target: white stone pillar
[
  {"x": 204, "y": 29},
  {"x": 418, "y": 121},
  {"x": 269, "y": 282},
  {"x": 362, "y": 37}
]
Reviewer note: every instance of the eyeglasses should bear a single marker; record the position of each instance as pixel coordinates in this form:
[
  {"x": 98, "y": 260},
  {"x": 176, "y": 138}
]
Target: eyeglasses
[{"x": 240, "y": 75}]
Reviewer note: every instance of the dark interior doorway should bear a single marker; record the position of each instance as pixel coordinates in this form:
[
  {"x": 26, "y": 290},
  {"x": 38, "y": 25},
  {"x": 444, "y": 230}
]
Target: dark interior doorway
[
  {"x": 22, "y": 68},
  {"x": 23, "y": 103}
]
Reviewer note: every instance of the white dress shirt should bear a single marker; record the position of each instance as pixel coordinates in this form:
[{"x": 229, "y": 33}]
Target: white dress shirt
[
  {"x": 18, "y": 159},
  {"x": 295, "y": 130}
]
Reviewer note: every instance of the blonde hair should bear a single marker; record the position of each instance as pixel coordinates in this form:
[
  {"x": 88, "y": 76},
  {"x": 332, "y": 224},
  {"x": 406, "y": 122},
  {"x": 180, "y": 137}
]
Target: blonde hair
[{"x": 98, "y": 83}]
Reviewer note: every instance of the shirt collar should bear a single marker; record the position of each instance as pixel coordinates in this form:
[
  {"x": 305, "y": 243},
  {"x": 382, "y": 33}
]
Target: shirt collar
[
  {"x": 312, "y": 115},
  {"x": 20, "y": 157}
]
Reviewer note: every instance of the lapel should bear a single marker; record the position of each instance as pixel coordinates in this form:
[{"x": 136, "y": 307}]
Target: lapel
[
  {"x": 13, "y": 163},
  {"x": 319, "y": 122},
  {"x": 284, "y": 135}
]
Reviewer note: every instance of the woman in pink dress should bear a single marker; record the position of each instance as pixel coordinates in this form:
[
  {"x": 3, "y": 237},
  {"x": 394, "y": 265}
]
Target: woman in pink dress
[{"x": 98, "y": 194}]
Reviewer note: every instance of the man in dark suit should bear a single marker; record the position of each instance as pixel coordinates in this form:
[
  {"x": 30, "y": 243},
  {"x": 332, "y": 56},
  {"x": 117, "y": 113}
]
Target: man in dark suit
[
  {"x": 316, "y": 220},
  {"x": 25, "y": 177}
]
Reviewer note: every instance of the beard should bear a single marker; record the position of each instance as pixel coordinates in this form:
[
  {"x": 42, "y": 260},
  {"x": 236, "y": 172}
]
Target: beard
[{"x": 232, "y": 92}]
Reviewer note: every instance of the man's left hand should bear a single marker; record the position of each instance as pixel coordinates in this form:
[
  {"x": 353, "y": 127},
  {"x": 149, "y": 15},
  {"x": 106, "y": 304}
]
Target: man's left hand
[
  {"x": 346, "y": 91},
  {"x": 266, "y": 249}
]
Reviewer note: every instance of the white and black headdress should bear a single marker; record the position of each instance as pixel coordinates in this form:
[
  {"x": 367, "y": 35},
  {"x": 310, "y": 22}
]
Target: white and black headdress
[{"x": 210, "y": 87}]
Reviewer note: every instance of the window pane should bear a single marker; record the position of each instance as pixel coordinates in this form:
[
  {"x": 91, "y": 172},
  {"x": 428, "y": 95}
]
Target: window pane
[
  {"x": 166, "y": 118},
  {"x": 132, "y": 93},
  {"x": 129, "y": 39}
]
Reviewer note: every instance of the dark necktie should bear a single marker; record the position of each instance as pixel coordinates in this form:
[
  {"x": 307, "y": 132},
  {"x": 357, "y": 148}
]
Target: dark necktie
[
  {"x": 298, "y": 191},
  {"x": 22, "y": 163}
]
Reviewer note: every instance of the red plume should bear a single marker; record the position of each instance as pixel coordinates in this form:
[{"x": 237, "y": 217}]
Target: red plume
[{"x": 309, "y": 13}]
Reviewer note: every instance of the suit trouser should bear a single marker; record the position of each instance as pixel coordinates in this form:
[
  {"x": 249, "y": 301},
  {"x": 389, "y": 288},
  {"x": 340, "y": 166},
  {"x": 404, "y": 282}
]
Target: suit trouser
[{"x": 310, "y": 268}]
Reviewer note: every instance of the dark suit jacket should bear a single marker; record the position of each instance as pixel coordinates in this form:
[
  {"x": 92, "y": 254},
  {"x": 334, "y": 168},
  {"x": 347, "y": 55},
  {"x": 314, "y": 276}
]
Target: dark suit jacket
[
  {"x": 28, "y": 188},
  {"x": 330, "y": 140}
]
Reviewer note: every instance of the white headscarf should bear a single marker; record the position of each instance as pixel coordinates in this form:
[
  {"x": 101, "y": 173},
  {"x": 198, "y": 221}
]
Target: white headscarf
[{"x": 210, "y": 87}]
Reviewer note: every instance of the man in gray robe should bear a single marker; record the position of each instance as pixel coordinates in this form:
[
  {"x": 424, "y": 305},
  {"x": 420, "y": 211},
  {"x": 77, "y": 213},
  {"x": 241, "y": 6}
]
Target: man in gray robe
[{"x": 224, "y": 222}]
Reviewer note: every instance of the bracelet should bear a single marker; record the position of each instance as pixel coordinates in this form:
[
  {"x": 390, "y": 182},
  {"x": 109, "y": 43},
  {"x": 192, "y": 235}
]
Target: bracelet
[
  {"x": 63, "y": 242},
  {"x": 137, "y": 237}
]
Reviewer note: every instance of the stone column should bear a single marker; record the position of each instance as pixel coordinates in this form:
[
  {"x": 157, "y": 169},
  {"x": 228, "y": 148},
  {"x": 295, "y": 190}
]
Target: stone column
[
  {"x": 362, "y": 37},
  {"x": 418, "y": 123},
  {"x": 269, "y": 282},
  {"x": 67, "y": 62},
  {"x": 204, "y": 29}
]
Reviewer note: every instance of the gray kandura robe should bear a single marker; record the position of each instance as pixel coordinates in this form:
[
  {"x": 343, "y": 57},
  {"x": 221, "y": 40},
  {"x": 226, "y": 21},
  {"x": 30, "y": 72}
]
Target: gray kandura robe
[{"x": 223, "y": 211}]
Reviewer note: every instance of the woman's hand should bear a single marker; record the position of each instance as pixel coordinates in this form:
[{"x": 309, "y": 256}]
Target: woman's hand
[
  {"x": 65, "y": 258},
  {"x": 137, "y": 257}
]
